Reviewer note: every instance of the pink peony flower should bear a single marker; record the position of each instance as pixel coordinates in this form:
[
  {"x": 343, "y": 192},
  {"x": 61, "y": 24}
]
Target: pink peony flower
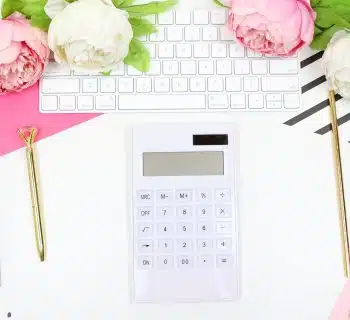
[
  {"x": 272, "y": 27},
  {"x": 24, "y": 54}
]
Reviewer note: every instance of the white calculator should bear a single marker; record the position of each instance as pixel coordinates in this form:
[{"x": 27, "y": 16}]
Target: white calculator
[{"x": 183, "y": 208}]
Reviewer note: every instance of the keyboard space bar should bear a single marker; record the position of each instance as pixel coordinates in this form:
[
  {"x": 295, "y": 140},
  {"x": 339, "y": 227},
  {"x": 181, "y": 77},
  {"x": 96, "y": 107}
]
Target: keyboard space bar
[{"x": 161, "y": 102}]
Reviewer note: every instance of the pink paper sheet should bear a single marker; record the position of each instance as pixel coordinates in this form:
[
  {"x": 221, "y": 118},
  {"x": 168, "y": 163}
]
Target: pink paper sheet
[
  {"x": 341, "y": 309},
  {"x": 21, "y": 109}
]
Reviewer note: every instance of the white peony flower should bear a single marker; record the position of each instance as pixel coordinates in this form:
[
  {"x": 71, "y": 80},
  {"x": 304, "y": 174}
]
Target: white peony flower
[
  {"x": 336, "y": 62},
  {"x": 88, "y": 35}
]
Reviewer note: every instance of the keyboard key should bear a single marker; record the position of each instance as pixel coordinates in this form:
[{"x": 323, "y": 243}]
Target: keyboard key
[
  {"x": 184, "y": 245},
  {"x": 253, "y": 54},
  {"x": 251, "y": 84},
  {"x": 183, "y": 50},
  {"x": 210, "y": 33},
  {"x": 131, "y": 71},
  {"x": 145, "y": 246},
  {"x": 183, "y": 17},
  {"x": 119, "y": 71},
  {"x": 67, "y": 103},
  {"x": 144, "y": 196},
  {"x": 204, "y": 212},
  {"x": 219, "y": 50},
  {"x": 165, "y": 229},
  {"x": 170, "y": 67},
  {"x": 283, "y": 66},
  {"x": 90, "y": 85},
  {"x": 259, "y": 67},
  {"x": 206, "y": 67},
  {"x": 223, "y": 67},
  {"x": 49, "y": 103},
  {"x": 179, "y": 84},
  {"x": 56, "y": 69},
  {"x": 226, "y": 34},
  {"x": 291, "y": 101},
  {"x": 60, "y": 86},
  {"x": 143, "y": 85},
  {"x": 165, "y": 245},
  {"x": 184, "y": 212},
  {"x": 144, "y": 213},
  {"x": 223, "y": 211},
  {"x": 201, "y": 17},
  {"x": 215, "y": 84},
  {"x": 224, "y": 244},
  {"x": 222, "y": 195},
  {"x": 236, "y": 50},
  {"x": 184, "y": 228},
  {"x": 188, "y": 68},
  {"x": 201, "y": 50},
  {"x": 165, "y": 262},
  {"x": 192, "y": 34},
  {"x": 107, "y": 85},
  {"x": 174, "y": 33},
  {"x": 279, "y": 84},
  {"x": 155, "y": 68},
  {"x": 197, "y": 84},
  {"x": 158, "y": 36},
  {"x": 166, "y": 213},
  {"x": 85, "y": 103},
  {"x": 162, "y": 102},
  {"x": 126, "y": 85},
  {"x": 146, "y": 262},
  {"x": 166, "y": 50},
  {"x": 144, "y": 230},
  {"x": 256, "y": 101},
  {"x": 238, "y": 101},
  {"x": 274, "y": 97},
  {"x": 218, "y": 101},
  {"x": 162, "y": 85},
  {"x": 105, "y": 102},
  {"x": 273, "y": 104},
  {"x": 224, "y": 227},
  {"x": 205, "y": 261},
  {"x": 218, "y": 17},
  {"x": 242, "y": 66},
  {"x": 185, "y": 262},
  {"x": 224, "y": 261},
  {"x": 203, "y": 195},
  {"x": 166, "y": 18},
  {"x": 204, "y": 244},
  {"x": 152, "y": 49},
  {"x": 233, "y": 84}
]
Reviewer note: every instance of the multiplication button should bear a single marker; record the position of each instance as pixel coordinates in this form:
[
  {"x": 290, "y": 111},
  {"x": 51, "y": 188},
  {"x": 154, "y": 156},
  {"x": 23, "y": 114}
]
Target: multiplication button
[
  {"x": 164, "y": 196},
  {"x": 144, "y": 196},
  {"x": 223, "y": 211},
  {"x": 183, "y": 195},
  {"x": 223, "y": 194}
]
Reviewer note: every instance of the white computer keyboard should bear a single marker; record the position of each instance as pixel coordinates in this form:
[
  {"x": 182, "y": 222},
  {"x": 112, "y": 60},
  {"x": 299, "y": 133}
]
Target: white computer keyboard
[{"x": 196, "y": 66}]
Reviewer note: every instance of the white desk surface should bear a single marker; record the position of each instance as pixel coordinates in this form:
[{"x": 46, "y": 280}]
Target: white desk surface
[{"x": 292, "y": 267}]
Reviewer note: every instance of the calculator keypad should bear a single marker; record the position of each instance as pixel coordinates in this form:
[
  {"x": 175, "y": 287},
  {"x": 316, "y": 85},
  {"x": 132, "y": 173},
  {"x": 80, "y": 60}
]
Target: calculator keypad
[{"x": 184, "y": 228}]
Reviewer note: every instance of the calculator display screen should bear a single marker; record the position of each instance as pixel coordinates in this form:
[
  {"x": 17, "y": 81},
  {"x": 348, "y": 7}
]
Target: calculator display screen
[{"x": 202, "y": 163}]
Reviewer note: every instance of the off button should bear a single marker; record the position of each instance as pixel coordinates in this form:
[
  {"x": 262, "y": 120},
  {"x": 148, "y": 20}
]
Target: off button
[{"x": 145, "y": 196}]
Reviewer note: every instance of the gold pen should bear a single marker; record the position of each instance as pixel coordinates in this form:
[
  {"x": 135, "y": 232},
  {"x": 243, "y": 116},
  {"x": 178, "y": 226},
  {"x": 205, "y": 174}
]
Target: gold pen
[
  {"x": 344, "y": 234},
  {"x": 28, "y": 135}
]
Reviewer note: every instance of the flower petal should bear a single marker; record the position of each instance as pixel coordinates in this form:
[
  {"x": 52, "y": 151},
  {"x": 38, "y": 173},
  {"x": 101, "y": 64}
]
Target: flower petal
[
  {"x": 6, "y": 34},
  {"x": 53, "y": 7},
  {"x": 11, "y": 53},
  {"x": 307, "y": 22}
]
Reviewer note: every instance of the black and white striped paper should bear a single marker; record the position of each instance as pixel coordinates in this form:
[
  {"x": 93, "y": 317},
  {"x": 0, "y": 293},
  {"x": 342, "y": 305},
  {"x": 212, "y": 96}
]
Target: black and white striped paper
[{"x": 315, "y": 116}]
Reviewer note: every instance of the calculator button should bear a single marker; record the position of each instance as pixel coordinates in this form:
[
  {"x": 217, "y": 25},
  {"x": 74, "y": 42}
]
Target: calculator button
[
  {"x": 222, "y": 195},
  {"x": 224, "y": 244},
  {"x": 224, "y": 227},
  {"x": 205, "y": 261},
  {"x": 165, "y": 229},
  {"x": 224, "y": 261},
  {"x": 145, "y": 246},
  {"x": 204, "y": 244},
  {"x": 203, "y": 195},
  {"x": 223, "y": 211},
  {"x": 145, "y": 229},
  {"x": 184, "y": 245},
  {"x": 184, "y": 195},
  {"x": 164, "y": 196},
  {"x": 184, "y": 212},
  {"x": 184, "y": 228},
  {"x": 145, "y": 262},
  {"x": 165, "y": 262},
  {"x": 185, "y": 262},
  {"x": 165, "y": 245},
  {"x": 145, "y": 196},
  {"x": 204, "y": 212},
  {"x": 145, "y": 213},
  {"x": 204, "y": 228},
  {"x": 165, "y": 212}
]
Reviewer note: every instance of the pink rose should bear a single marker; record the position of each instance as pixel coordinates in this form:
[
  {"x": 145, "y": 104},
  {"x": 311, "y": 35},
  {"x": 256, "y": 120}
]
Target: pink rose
[
  {"x": 24, "y": 54},
  {"x": 272, "y": 27}
]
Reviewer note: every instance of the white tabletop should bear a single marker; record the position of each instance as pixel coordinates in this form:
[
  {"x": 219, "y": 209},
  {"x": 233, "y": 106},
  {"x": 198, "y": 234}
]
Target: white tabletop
[{"x": 290, "y": 240}]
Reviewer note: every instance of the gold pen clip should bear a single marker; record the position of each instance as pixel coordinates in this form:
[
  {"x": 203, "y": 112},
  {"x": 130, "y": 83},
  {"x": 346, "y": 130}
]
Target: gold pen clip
[{"x": 28, "y": 135}]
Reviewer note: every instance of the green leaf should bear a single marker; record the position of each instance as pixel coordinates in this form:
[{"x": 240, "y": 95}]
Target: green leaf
[
  {"x": 10, "y": 6},
  {"x": 122, "y": 3},
  {"x": 220, "y": 4},
  {"x": 317, "y": 31},
  {"x": 315, "y": 3},
  {"x": 321, "y": 40},
  {"x": 326, "y": 18},
  {"x": 150, "y": 8},
  {"x": 42, "y": 22},
  {"x": 142, "y": 27},
  {"x": 106, "y": 73},
  {"x": 138, "y": 56}
]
